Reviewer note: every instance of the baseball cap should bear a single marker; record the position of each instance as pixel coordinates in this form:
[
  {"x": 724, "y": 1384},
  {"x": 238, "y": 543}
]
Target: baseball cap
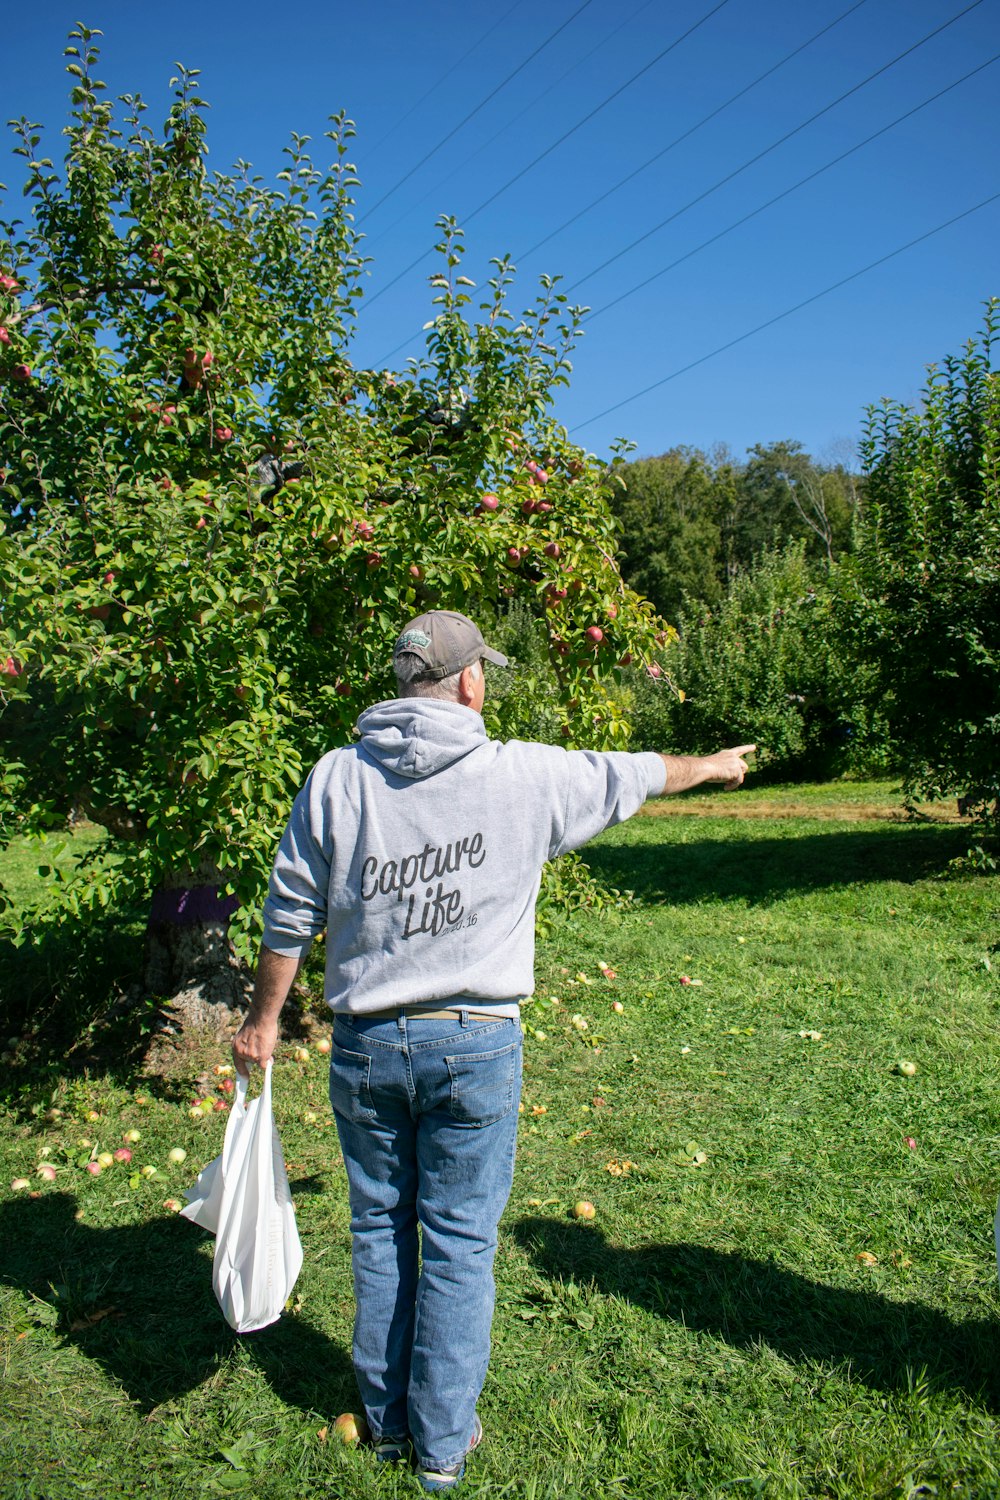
[{"x": 443, "y": 642}]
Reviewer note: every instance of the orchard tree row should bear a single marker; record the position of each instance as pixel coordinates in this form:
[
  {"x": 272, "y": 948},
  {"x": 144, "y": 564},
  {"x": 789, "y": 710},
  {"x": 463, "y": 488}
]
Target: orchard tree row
[{"x": 882, "y": 656}]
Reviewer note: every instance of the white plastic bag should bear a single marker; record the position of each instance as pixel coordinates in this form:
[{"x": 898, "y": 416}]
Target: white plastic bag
[{"x": 242, "y": 1197}]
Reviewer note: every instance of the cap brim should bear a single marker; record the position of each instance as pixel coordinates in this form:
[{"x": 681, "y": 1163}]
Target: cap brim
[{"x": 495, "y": 657}]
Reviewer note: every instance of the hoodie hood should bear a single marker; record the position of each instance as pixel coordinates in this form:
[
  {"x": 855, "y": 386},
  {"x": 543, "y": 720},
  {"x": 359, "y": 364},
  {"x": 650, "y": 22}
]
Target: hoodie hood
[{"x": 417, "y": 737}]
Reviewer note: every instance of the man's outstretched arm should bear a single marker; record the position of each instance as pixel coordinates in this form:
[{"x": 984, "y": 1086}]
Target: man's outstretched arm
[
  {"x": 258, "y": 1036},
  {"x": 687, "y": 771}
]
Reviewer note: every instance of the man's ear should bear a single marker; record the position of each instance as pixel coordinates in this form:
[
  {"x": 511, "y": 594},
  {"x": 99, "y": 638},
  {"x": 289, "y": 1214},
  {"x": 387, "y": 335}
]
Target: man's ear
[{"x": 468, "y": 682}]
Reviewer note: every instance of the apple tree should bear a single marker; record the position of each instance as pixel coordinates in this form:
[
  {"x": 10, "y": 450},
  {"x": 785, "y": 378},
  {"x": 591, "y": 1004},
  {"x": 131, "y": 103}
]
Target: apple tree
[
  {"x": 923, "y": 605},
  {"x": 214, "y": 523}
]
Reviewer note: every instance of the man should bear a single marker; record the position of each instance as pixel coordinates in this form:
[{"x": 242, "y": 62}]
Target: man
[{"x": 419, "y": 849}]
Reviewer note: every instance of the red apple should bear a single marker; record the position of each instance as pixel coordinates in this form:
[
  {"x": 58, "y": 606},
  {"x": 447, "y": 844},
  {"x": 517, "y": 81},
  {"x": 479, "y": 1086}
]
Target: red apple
[
  {"x": 612, "y": 611},
  {"x": 552, "y": 549},
  {"x": 416, "y": 572},
  {"x": 223, "y": 434},
  {"x": 528, "y": 508},
  {"x": 4, "y": 336},
  {"x": 8, "y": 284},
  {"x": 595, "y": 634},
  {"x": 583, "y": 1210},
  {"x": 10, "y": 668},
  {"x": 513, "y": 557},
  {"x": 373, "y": 559},
  {"x": 489, "y": 502},
  {"x": 21, "y": 372}
]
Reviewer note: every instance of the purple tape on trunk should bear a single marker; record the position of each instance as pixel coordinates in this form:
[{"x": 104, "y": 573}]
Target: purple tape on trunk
[{"x": 193, "y": 906}]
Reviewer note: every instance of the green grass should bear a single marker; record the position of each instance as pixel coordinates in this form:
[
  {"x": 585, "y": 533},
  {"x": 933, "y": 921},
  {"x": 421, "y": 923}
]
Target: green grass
[{"x": 712, "y": 1331}]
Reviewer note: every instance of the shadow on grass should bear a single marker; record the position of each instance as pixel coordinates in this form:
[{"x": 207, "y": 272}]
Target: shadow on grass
[
  {"x": 138, "y": 1300},
  {"x": 737, "y": 866},
  {"x": 886, "y": 1344}
]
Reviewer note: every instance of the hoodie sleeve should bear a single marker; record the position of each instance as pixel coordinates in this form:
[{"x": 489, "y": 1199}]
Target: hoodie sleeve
[
  {"x": 603, "y": 789},
  {"x": 296, "y": 907}
]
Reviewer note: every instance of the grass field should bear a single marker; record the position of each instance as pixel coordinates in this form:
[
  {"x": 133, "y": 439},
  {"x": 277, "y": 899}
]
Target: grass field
[{"x": 789, "y": 1287}]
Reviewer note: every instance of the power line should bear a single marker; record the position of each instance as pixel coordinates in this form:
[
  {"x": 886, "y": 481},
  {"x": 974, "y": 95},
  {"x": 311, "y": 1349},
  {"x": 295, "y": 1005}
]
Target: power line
[
  {"x": 688, "y": 133},
  {"x": 772, "y": 147},
  {"x": 514, "y": 119},
  {"x": 481, "y": 105},
  {"x": 565, "y": 137},
  {"x": 788, "y": 312},
  {"x": 786, "y": 192},
  {"x": 597, "y": 108},
  {"x": 444, "y": 77},
  {"x": 770, "y": 202}
]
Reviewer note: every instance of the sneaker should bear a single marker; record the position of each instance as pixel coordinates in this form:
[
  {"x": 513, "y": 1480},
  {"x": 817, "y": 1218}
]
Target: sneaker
[
  {"x": 444, "y": 1479},
  {"x": 392, "y": 1450}
]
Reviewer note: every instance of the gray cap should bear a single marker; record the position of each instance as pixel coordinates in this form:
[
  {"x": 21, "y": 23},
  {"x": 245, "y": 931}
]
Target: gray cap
[{"x": 439, "y": 644}]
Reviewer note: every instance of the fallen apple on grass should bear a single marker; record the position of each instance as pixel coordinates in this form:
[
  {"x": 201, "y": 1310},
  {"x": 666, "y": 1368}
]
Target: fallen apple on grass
[
  {"x": 19, "y": 1184},
  {"x": 907, "y": 1069},
  {"x": 323, "y": 1045},
  {"x": 350, "y": 1428},
  {"x": 177, "y": 1154},
  {"x": 584, "y": 1209}
]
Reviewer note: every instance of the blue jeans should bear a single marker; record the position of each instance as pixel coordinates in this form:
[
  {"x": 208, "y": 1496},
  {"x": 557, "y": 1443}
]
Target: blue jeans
[{"x": 426, "y": 1112}]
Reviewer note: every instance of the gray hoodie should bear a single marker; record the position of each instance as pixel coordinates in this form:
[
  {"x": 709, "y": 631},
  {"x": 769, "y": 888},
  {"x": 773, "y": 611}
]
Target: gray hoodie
[{"x": 420, "y": 850}]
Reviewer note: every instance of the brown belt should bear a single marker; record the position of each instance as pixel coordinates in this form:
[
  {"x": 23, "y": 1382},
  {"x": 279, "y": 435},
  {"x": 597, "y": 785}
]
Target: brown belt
[{"x": 419, "y": 1013}]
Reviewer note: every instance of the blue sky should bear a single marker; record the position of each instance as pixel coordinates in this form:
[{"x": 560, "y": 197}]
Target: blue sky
[{"x": 410, "y": 74}]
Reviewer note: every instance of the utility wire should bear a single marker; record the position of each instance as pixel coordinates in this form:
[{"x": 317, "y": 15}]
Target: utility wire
[
  {"x": 565, "y": 137},
  {"x": 444, "y": 77},
  {"x": 481, "y": 105},
  {"x": 514, "y": 119},
  {"x": 773, "y": 146},
  {"x": 810, "y": 177},
  {"x": 788, "y": 312},
  {"x": 688, "y": 133},
  {"x": 761, "y": 208}
]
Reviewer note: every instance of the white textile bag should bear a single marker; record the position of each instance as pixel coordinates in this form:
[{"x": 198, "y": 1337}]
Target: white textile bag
[{"x": 242, "y": 1197}]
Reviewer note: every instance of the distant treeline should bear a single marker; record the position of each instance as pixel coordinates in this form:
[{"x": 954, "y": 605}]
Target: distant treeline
[{"x": 691, "y": 522}]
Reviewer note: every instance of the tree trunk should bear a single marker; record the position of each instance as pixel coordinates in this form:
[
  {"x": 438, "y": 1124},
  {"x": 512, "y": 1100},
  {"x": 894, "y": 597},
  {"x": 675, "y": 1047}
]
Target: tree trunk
[{"x": 189, "y": 958}]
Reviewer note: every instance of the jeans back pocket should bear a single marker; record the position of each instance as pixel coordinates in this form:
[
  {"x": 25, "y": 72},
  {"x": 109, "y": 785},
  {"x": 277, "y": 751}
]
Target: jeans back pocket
[
  {"x": 483, "y": 1084},
  {"x": 350, "y": 1083}
]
